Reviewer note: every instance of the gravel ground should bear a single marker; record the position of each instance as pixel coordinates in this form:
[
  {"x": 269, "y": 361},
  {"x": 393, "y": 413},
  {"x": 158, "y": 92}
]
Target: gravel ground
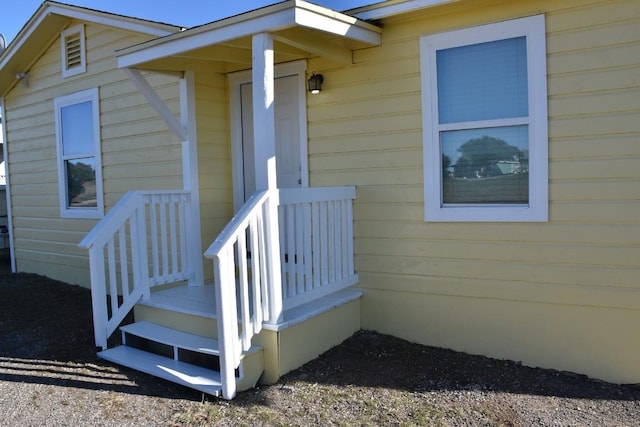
[{"x": 50, "y": 376}]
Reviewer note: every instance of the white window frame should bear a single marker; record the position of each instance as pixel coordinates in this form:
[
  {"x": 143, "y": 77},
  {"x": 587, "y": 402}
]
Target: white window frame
[
  {"x": 64, "y": 101},
  {"x": 533, "y": 28},
  {"x": 68, "y": 72}
]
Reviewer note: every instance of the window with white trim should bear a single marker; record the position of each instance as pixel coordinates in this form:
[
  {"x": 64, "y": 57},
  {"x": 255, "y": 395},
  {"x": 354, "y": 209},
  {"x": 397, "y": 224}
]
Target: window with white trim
[
  {"x": 78, "y": 145},
  {"x": 484, "y": 99},
  {"x": 74, "y": 59}
]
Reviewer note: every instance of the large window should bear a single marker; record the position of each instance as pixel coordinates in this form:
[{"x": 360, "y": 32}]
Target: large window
[
  {"x": 484, "y": 98},
  {"x": 79, "y": 168}
]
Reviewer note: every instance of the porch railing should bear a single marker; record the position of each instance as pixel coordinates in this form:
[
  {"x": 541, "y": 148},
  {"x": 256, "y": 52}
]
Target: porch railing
[
  {"x": 316, "y": 258},
  {"x": 316, "y": 242},
  {"x": 142, "y": 242}
]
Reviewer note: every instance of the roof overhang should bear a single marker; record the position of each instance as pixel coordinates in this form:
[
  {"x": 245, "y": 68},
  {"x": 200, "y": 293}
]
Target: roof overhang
[
  {"x": 43, "y": 28},
  {"x": 299, "y": 28},
  {"x": 391, "y": 8}
]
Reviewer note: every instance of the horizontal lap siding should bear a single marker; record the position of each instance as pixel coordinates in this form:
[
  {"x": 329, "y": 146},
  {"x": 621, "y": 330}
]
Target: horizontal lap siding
[
  {"x": 138, "y": 151},
  {"x": 214, "y": 156},
  {"x": 365, "y": 129}
]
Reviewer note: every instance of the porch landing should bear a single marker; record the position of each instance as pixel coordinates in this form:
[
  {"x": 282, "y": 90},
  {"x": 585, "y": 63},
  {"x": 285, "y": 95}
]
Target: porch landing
[
  {"x": 200, "y": 301},
  {"x": 305, "y": 331}
]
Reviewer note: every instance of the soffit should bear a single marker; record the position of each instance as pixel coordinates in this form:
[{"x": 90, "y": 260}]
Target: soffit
[{"x": 22, "y": 53}]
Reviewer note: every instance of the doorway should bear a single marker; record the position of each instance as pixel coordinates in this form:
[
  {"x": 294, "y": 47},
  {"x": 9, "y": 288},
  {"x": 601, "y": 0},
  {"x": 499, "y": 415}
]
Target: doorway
[{"x": 290, "y": 131}]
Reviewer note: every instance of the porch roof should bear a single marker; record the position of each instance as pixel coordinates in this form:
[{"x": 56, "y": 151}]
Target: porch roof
[{"x": 300, "y": 30}]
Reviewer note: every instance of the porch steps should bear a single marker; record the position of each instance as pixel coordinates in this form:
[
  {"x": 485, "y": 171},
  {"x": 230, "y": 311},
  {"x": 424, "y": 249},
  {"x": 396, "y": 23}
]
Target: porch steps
[
  {"x": 186, "y": 374},
  {"x": 171, "y": 337},
  {"x": 185, "y": 347}
]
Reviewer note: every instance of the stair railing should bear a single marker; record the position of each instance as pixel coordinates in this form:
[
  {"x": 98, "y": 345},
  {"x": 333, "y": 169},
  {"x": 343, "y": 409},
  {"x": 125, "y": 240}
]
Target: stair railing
[
  {"x": 142, "y": 242},
  {"x": 313, "y": 256},
  {"x": 241, "y": 262}
]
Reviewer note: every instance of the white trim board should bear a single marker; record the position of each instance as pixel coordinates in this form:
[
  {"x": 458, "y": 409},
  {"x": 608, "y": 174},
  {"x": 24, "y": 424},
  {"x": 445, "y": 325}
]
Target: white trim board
[
  {"x": 385, "y": 10},
  {"x": 5, "y": 150},
  {"x": 269, "y": 19}
]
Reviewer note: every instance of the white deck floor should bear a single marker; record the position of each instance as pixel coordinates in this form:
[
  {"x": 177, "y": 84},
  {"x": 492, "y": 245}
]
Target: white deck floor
[
  {"x": 200, "y": 301},
  {"x": 196, "y": 300}
]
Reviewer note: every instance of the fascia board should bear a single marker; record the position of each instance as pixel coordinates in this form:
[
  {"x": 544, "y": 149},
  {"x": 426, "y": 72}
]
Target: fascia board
[
  {"x": 204, "y": 36},
  {"x": 122, "y": 22},
  {"x": 53, "y": 17},
  {"x": 22, "y": 36},
  {"x": 310, "y": 19},
  {"x": 396, "y": 8},
  {"x": 269, "y": 19}
]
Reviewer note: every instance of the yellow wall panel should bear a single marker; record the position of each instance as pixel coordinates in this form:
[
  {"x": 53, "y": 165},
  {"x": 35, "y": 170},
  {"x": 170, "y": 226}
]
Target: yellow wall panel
[
  {"x": 587, "y": 339},
  {"x": 365, "y": 129},
  {"x": 561, "y": 294},
  {"x": 126, "y": 121}
]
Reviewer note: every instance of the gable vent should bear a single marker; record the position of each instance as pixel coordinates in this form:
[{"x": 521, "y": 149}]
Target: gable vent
[
  {"x": 74, "y": 59},
  {"x": 74, "y": 52}
]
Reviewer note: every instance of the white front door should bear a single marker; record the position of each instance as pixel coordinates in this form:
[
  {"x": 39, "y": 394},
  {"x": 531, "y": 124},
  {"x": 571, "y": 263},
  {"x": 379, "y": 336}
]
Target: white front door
[{"x": 288, "y": 125}]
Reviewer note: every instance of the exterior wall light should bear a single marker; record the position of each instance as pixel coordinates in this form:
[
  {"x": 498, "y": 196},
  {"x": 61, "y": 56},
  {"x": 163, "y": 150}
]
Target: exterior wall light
[
  {"x": 315, "y": 83},
  {"x": 23, "y": 78}
]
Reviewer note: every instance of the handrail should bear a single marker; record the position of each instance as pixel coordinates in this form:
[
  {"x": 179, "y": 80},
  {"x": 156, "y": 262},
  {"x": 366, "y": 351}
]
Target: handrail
[
  {"x": 141, "y": 242},
  {"x": 110, "y": 223},
  {"x": 313, "y": 228},
  {"x": 242, "y": 240},
  {"x": 237, "y": 224}
]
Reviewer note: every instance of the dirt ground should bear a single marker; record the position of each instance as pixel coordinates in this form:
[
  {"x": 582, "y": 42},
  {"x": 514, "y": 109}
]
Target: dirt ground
[{"x": 50, "y": 376}]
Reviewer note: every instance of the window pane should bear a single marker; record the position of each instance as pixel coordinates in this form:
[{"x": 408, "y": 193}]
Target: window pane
[
  {"x": 77, "y": 128},
  {"x": 485, "y": 166},
  {"x": 81, "y": 183},
  {"x": 483, "y": 81}
]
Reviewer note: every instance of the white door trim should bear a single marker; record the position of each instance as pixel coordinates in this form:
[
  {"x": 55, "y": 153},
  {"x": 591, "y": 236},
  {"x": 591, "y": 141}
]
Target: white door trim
[{"x": 239, "y": 78}]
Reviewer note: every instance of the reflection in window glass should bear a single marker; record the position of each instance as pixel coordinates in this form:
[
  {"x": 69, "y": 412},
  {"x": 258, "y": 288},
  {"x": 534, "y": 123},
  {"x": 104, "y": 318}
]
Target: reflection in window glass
[
  {"x": 487, "y": 165},
  {"x": 81, "y": 182},
  {"x": 483, "y": 81},
  {"x": 77, "y": 128}
]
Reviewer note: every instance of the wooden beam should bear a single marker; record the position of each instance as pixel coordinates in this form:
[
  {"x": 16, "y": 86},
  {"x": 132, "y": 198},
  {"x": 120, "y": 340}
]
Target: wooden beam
[
  {"x": 314, "y": 43},
  {"x": 220, "y": 53},
  {"x": 156, "y": 102},
  {"x": 190, "y": 176}
]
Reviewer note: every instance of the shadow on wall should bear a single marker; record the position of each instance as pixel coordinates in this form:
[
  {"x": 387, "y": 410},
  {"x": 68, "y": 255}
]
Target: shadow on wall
[{"x": 5, "y": 260}]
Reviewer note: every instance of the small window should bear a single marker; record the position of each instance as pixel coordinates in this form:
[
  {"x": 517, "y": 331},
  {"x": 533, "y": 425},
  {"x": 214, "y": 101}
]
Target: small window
[
  {"x": 73, "y": 51},
  {"x": 78, "y": 144},
  {"x": 485, "y": 123}
]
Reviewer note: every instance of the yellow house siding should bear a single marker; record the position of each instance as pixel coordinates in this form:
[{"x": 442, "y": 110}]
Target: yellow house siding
[
  {"x": 214, "y": 156},
  {"x": 138, "y": 150},
  {"x": 525, "y": 291}
]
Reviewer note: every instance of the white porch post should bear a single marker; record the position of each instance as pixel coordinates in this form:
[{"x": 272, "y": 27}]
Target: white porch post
[
  {"x": 265, "y": 160},
  {"x": 190, "y": 177},
  {"x": 186, "y": 131}
]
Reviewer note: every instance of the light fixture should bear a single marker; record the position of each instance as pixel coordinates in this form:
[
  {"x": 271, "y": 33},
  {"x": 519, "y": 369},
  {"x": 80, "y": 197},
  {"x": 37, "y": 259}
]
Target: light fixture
[
  {"x": 315, "y": 83},
  {"x": 24, "y": 79}
]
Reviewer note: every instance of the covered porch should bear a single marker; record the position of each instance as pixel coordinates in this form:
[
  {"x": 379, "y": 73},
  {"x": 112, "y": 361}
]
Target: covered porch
[{"x": 285, "y": 257}]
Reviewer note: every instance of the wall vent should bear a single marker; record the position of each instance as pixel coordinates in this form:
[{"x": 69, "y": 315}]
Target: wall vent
[{"x": 73, "y": 51}]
